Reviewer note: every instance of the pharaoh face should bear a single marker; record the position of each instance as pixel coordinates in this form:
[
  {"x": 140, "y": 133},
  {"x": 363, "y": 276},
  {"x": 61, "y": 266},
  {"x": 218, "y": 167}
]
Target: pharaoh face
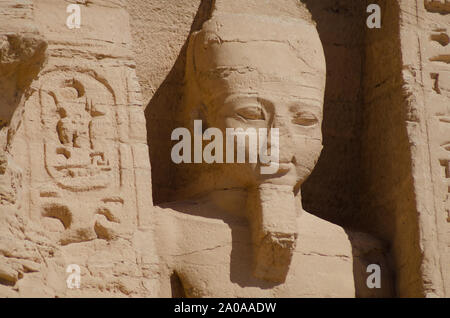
[{"x": 253, "y": 75}]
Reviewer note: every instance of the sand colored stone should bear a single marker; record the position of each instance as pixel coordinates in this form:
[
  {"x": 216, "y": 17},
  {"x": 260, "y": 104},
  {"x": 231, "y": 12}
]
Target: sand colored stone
[
  {"x": 362, "y": 115},
  {"x": 82, "y": 144}
]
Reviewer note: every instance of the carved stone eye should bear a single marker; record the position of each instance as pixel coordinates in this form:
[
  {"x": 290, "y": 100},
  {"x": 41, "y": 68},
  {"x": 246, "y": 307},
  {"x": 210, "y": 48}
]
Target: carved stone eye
[
  {"x": 251, "y": 113},
  {"x": 305, "y": 119}
]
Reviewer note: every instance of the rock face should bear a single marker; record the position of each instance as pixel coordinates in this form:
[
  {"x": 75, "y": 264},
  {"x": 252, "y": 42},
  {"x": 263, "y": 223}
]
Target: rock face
[
  {"x": 83, "y": 112},
  {"x": 85, "y": 178}
]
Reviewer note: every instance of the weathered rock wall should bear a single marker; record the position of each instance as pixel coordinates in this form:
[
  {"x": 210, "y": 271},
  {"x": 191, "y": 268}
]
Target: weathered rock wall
[
  {"x": 85, "y": 172},
  {"x": 84, "y": 111}
]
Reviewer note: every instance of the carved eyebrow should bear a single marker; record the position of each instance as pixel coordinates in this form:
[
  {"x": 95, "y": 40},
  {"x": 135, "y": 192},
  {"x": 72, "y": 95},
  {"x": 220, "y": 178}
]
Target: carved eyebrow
[
  {"x": 225, "y": 97},
  {"x": 243, "y": 100},
  {"x": 296, "y": 106},
  {"x": 241, "y": 96}
]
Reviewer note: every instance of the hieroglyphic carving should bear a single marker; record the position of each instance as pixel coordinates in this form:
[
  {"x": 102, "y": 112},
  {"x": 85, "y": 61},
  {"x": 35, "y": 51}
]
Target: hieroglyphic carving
[
  {"x": 429, "y": 99},
  {"x": 91, "y": 131},
  {"x": 445, "y": 163},
  {"x": 437, "y": 52},
  {"x": 447, "y": 207},
  {"x": 443, "y": 126},
  {"x": 80, "y": 129},
  {"x": 440, "y": 37},
  {"x": 77, "y": 133},
  {"x": 444, "y": 160},
  {"x": 440, "y": 6},
  {"x": 80, "y": 146}
]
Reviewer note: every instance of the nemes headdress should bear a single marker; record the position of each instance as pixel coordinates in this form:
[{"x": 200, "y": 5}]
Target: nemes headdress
[{"x": 252, "y": 37}]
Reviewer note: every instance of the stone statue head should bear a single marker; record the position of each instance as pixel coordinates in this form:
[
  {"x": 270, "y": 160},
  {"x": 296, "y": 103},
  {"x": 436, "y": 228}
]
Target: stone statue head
[
  {"x": 257, "y": 70},
  {"x": 253, "y": 71}
]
